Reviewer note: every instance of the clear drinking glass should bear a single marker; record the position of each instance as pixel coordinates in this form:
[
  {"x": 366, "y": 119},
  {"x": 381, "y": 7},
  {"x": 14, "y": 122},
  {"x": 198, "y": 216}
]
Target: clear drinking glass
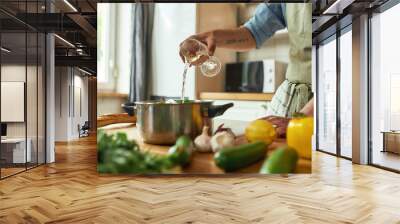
[{"x": 192, "y": 50}]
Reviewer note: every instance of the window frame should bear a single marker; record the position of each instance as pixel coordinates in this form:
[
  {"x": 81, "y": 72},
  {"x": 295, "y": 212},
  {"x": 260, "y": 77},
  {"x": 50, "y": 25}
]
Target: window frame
[
  {"x": 27, "y": 29},
  {"x": 380, "y": 9},
  {"x": 109, "y": 54}
]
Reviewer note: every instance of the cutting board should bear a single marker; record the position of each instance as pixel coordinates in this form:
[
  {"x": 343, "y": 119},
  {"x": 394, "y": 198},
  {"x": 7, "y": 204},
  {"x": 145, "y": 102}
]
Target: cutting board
[{"x": 202, "y": 163}]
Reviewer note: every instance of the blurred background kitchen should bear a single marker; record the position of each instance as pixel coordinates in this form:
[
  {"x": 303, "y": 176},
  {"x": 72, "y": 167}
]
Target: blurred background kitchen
[{"x": 172, "y": 23}]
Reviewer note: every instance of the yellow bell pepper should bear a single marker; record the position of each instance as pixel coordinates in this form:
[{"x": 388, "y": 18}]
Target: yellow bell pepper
[{"x": 299, "y": 135}]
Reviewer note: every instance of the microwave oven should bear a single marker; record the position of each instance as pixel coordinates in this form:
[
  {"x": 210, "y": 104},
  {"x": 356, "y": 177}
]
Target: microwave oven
[{"x": 254, "y": 76}]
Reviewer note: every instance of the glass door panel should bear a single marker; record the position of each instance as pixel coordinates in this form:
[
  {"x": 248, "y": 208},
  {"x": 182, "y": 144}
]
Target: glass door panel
[
  {"x": 327, "y": 97},
  {"x": 22, "y": 107},
  {"x": 385, "y": 89},
  {"x": 14, "y": 153},
  {"x": 346, "y": 94}
]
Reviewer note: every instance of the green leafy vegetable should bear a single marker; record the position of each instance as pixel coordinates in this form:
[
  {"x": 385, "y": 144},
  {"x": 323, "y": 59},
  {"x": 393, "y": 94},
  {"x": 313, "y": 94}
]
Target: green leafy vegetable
[{"x": 117, "y": 154}]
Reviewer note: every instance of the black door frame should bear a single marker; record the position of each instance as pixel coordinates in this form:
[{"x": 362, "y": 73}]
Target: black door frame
[{"x": 30, "y": 29}]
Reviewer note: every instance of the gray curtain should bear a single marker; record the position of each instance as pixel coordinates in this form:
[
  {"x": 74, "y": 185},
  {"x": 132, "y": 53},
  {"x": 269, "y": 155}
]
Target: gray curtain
[{"x": 143, "y": 16}]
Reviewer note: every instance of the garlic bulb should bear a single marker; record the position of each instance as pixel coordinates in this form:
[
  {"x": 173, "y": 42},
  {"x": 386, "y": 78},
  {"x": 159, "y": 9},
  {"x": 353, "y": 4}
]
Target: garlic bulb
[
  {"x": 202, "y": 142},
  {"x": 222, "y": 140}
]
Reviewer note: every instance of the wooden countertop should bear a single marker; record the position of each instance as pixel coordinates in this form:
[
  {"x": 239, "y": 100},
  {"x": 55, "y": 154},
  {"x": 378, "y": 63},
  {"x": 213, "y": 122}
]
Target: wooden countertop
[
  {"x": 236, "y": 96},
  {"x": 202, "y": 163}
]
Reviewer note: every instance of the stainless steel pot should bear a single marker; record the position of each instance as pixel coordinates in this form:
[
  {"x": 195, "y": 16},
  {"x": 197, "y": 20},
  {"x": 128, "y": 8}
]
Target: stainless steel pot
[{"x": 162, "y": 123}]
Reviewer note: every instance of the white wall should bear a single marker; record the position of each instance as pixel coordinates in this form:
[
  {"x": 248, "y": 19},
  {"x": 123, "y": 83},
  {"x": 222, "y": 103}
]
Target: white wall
[
  {"x": 12, "y": 100},
  {"x": 80, "y": 94},
  {"x": 16, "y": 73},
  {"x": 33, "y": 126},
  {"x": 69, "y": 85},
  {"x": 61, "y": 103},
  {"x": 173, "y": 23}
]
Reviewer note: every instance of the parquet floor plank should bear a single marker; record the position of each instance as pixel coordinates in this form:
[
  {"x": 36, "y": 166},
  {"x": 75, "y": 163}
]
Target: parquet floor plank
[{"x": 71, "y": 191}]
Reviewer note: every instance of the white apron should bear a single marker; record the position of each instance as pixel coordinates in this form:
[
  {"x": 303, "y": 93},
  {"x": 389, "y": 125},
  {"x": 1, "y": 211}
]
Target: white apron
[{"x": 294, "y": 93}]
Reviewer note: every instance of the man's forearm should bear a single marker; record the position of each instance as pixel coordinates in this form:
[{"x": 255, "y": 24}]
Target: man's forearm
[{"x": 239, "y": 39}]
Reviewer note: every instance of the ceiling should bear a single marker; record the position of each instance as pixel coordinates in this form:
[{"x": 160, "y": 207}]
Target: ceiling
[
  {"x": 331, "y": 15},
  {"x": 74, "y": 22}
]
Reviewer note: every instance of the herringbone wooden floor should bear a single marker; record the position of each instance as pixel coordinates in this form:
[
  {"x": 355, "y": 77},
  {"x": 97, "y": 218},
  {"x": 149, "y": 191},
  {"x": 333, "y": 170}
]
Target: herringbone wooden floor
[{"x": 71, "y": 191}]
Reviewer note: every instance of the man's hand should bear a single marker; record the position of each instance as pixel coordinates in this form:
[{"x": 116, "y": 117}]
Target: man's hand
[
  {"x": 239, "y": 39},
  {"x": 281, "y": 124},
  {"x": 206, "y": 38}
]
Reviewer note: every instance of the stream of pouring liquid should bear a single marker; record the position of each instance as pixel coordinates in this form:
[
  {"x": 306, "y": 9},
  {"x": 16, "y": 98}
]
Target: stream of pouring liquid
[{"x": 184, "y": 81}]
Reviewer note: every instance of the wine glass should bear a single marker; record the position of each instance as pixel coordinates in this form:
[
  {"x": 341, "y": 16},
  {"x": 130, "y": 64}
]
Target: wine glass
[{"x": 192, "y": 50}]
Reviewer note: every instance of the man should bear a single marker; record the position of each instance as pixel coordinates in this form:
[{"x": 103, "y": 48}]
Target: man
[{"x": 294, "y": 94}]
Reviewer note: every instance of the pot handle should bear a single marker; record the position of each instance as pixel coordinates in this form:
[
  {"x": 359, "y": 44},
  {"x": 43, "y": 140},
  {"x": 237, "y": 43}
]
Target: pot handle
[
  {"x": 129, "y": 108},
  {"x": 214, "y": 111}
]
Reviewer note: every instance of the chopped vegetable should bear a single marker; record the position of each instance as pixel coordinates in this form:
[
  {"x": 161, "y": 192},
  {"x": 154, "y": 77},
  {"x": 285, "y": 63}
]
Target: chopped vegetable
[
  {"x": 117, "y": 154},
  {"x": 234, "y": 158},
  {"x": 185, "y": 142},
  {"x": 202, "y": 142},
  {"x": 181, "y": 152},
  {"x": 281, "y": 161}
]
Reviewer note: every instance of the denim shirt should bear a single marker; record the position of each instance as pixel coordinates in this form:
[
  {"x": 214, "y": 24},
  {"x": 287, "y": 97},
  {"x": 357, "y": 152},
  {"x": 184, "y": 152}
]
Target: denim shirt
[{"x": 268, "y": 18}]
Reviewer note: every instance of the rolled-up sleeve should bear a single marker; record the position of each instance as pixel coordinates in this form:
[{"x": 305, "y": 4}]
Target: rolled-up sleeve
[{"x": 268, "y": 18}]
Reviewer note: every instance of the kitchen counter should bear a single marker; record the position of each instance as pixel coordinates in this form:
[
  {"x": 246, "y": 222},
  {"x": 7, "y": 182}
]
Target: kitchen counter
[
  {"x": 236, "y": 96},
  {"x": 202, "y": 163}
]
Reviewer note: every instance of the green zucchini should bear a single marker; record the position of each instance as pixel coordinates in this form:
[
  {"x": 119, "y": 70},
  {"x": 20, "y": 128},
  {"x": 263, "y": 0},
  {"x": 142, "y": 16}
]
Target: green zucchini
[
  {"x": 283, "y": 160},
  {"x": 234, "y": 158}
]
